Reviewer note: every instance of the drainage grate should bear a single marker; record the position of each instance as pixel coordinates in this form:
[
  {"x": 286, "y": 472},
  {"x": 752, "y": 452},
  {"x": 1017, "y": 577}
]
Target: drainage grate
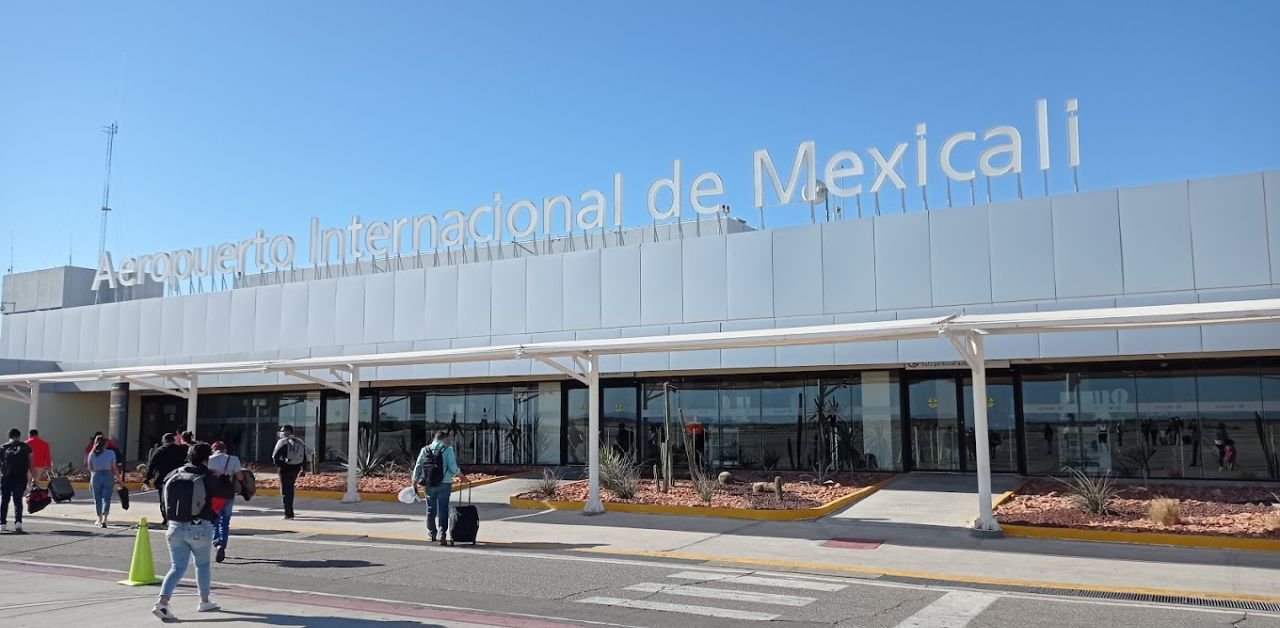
[{"x": 1240, "y": 605}]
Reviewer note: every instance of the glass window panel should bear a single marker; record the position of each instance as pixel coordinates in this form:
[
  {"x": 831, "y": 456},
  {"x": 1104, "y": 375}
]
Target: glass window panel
[
  {"x": 1002, "y": 425},
  {"x": 1235, "y": 435},
  {"x": 877, "y": 416}
]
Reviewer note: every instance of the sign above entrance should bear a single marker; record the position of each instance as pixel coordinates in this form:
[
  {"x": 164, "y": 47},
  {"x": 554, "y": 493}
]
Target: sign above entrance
[
  {"x": 956, "y": 365},
  {"x": 499, "y": 219}
]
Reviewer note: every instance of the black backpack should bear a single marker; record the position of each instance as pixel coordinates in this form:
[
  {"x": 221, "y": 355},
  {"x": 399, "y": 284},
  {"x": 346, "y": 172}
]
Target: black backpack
[
  {"x": 430, "y": 467},
  {"x": 184, "y": 496}
]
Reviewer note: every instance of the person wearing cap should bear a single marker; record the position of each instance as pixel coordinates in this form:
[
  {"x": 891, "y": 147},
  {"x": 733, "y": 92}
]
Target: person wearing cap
[
  {"x": 225, "y": 465},
  {"x": 169, "y": 456}
]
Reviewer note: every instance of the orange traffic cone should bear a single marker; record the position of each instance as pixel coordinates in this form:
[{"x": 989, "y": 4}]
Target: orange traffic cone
[{"x": 142, "y": 571}]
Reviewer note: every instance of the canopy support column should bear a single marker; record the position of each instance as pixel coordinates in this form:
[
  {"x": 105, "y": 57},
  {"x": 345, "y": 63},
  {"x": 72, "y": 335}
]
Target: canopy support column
[
  {"x": 594, "y": 505},
  {"x": 193, "y": 391},
  {"x": 970, "y": 346},
  {"x": 353, "y": 435},
  {"x": 33, "y": 406}
]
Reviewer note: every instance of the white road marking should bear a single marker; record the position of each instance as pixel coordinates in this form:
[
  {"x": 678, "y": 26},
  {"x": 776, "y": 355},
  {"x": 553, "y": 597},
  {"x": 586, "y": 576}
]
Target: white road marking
[
  {"x": 688, "y": 609},
  {"x": 736, "y": 595},
  {"x": 782, "y": 583},
  {"x": 953, "y": 610}
]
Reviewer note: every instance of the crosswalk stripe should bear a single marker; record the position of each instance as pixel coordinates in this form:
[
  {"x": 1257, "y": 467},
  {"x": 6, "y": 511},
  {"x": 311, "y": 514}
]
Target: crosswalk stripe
[
  {"x": 953, "y": 610},
  {"x": 688, "y": 609},
  {"x": 735, "y": 595},
  {"x": 782, "y": 583}
]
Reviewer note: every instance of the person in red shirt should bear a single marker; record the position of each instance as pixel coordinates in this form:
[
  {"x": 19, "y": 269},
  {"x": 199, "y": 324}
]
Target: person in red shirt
[{"x": 41, "y": 456}]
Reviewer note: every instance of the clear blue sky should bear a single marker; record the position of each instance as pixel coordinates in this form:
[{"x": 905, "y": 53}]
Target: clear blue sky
[{"x": 236, "y": 116}]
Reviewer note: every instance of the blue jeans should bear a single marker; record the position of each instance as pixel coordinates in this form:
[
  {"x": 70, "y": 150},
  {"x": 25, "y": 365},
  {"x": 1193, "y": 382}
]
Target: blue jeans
[
  {"x": 186, "y": 540},
  {"x": 222, "y": 527},
  {"x": 438, "y": 508},
  {"x": 103, "y": 484}
]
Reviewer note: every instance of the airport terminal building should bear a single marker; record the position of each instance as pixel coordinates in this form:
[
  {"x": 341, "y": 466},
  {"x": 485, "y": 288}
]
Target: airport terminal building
[{"x": 1154, "y": 401}]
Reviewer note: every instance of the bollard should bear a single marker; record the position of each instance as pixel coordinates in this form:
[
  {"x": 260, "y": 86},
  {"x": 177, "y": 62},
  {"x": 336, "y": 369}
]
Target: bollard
[{"x": 142, "y": 570}]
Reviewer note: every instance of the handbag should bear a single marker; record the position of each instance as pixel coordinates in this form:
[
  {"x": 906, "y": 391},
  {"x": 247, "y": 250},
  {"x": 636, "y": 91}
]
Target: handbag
[
  {"x": 123, "y": 494},
  {"x": 37, "y": 499}
]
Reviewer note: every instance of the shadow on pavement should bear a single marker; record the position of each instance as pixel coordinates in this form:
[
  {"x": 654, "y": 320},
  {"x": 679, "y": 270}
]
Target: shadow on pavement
[
  {"x": 308, "y": 564},
  {"x": 279, "y": 619}
]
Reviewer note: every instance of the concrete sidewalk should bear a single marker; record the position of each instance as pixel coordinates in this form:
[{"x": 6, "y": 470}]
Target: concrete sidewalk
[{"x": 884, "y": 547}]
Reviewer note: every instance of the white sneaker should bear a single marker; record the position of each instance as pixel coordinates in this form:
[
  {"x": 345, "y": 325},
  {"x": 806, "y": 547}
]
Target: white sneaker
[
  {"x": 162, "y": 611},
  {"x": 4, "y": 527},
  {"x": 17, "y": 527},
  {"x": 207, "y": 607}
]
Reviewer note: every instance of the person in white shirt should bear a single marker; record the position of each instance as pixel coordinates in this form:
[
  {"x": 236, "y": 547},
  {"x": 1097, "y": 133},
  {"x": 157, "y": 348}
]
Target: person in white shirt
[{"x": 225, "y": 464}]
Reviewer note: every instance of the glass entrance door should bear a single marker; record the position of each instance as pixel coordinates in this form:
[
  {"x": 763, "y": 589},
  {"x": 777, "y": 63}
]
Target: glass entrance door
[
  {"x": 935, "y": 426},
  {"x": 1002, "y": 425}
]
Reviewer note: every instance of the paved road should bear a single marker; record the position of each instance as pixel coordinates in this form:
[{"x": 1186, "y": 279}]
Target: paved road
[{"x": 422, "y": 583}]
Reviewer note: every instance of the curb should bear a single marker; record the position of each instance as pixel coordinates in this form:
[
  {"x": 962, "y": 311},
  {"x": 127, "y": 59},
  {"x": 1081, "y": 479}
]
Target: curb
[
  {"x": 1205, "y": 541},
  {"x": 335, "y": 495},
  {"x": 798, "y": 514}
]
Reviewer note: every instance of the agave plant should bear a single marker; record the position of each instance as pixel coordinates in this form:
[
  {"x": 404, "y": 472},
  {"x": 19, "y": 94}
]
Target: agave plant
[
  {"x": 1090, "y": 493},
  {"x": 369, "y": 461}
]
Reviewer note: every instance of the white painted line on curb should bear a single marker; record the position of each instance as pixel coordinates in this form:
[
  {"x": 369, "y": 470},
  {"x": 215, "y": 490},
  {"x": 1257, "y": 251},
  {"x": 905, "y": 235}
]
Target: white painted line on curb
[
  {"x": 688, "y": 609},
  {"x": 734, "y": 595},
  {"x": 782, "y": 583},
  {"x": 953, "y": 610}
]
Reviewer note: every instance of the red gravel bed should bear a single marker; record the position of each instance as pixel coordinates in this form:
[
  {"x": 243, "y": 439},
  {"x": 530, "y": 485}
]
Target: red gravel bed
[
  {"x": 799, "y": 492},
  {"x": 338, "y": 482},
  {"x": 1246, "y": 511}
]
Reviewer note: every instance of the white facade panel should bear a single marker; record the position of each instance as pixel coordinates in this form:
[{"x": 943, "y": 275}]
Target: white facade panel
[
  {"x": 195, "y": 328},
  {"x": 1155, "y": 227},
  {"x": 410, "y": 316},
  {"x": 1086, "y": 244},
  {"x": 855, "y": 353},
  {"x": 322, "y": 317},
  {"x": 848, "y": 266},
  {"x": 544, "y": 293},
  {"x": 1271, "y": 188},
  {"x": 130, "y": 330},
  {"x": 268, "y": 313},
  {"x": 661, "y": 294},
  {"x": 960, "y": 256},
  {"x": 797, "y": 271},
  {"x": 70, "y": 345},
  {"x": 704, "y": 277},
  {"x": 442, "y": 298},
  {"x": 218, "y": 323},
  {"x": 749, "y": 275},
  {"x": 619, "y": 278},
  {"x": 1021, "y": 237},
  {"x": 294, "y": 324},
  {"x": 244, "y": 304},
  {"x": 1229, "y": 232},
  {"x": 172, "y": 325},
  {"x": 51, "y": 347},
  {"x": 645, "y": 361},
  {"x": 506, "y": 297},
  {"x": 805, "y": 355},
  {"x": 903, "y": 269},
  {"x": 33, "y": 337},
  {"x": 582, "y": 288},
  {"x": 108, "y": 332},
  {"x": 693, "y": 360},
  {"x": 475, "y": 292},
  {"x": 348, "y": 326},
  {"x": 379, "y": 308}
]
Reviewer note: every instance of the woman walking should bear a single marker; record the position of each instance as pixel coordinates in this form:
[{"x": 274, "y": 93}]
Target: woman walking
[{"x": 103, "y": 474}]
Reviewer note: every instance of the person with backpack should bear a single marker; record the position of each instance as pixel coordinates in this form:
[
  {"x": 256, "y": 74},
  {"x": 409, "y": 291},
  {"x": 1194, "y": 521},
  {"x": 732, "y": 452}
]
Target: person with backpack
[
  {"x": 163, "y": 460},
  {"x": 435, "y": 470},
  {"x": 290, "y": 455},
  {"x": 188, "y": 493},
  {"x": 104, "y": 472},
  {"x": 15, "y": 471},
  {"x": 227, "y": 466}
]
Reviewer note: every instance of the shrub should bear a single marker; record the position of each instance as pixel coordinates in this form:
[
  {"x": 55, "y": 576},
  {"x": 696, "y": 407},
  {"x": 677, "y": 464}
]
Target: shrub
[
  {"x": 549, "y": 483},
  {"x": 619, "y": 473},
  {"x": 705, "y": 486},
  {"x": 759, "y": 487},
  {"x": 725, "y": 478},
  {"x": 1090, "y": 493},
  {"x": 1164, "y": 512}
]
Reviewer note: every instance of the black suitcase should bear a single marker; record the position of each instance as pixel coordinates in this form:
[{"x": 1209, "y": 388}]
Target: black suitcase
[
  {"x": 60, "y": 490},
  {"x": 464, "y": 522}
]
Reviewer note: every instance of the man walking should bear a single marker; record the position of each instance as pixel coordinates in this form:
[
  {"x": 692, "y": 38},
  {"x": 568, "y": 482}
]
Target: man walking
[
  {"x": 227, "y": 467},
  {"x": 169, "y": 456},
  {"x": 188, "y": 499},
  {"x": 435, "y": 469},
  {"x": 41, "y": 456},
  {"x": 291, "y": 456},
  {"x": 15, "y": 471}
]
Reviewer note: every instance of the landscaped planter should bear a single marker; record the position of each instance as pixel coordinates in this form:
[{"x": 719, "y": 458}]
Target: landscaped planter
[
  {"x": 802, "y": 498},
  {"x": 1209, "y": 515}
]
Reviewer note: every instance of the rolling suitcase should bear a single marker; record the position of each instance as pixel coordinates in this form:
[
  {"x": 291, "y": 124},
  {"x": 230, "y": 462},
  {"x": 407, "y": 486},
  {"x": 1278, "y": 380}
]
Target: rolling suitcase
[
  {"x": 60, "y": 490},
  {"x": 464, "y": 522}
]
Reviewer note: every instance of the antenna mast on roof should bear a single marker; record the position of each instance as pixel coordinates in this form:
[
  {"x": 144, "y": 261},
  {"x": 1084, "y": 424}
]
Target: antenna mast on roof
[{"x": 106, "y": 192}]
